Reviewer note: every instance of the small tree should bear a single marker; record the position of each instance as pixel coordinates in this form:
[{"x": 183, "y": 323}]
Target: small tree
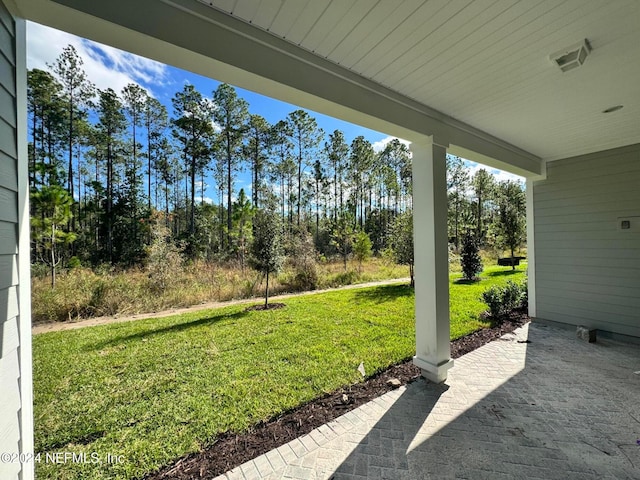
[
  {"x": 470, "y": 257},
  {"x": 52, "y": 207},
  {"x": 302, "y": 257},
  {"x": 342, "y": 237},
  {"x": 266, "y": 250},
  {"x": 361, "y": 248},
  {"x": 401, "y": 241},
  {"x": 242, "y": 212},
  {"x": 164, "y": 257}
]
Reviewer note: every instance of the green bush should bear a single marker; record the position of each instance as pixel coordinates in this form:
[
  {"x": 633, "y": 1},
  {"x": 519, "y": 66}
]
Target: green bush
[
  {"x": 302, "y": 259},
  {"x": 344, "y": 278},
  {"x": 470, "y": 260},
  {"x": 502, "y": 300}
]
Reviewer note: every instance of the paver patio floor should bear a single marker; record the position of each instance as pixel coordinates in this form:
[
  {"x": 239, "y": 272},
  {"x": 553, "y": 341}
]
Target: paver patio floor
[{"x": 537, "y": 403}]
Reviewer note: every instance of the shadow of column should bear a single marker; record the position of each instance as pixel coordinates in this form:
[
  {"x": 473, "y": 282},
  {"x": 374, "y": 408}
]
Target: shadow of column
[
  {"x": 382, "y": 447},
  {"x": 536, "y": 404}
]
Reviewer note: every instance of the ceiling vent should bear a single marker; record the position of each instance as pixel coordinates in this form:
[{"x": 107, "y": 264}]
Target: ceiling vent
[{"x": 572, "y": 57}]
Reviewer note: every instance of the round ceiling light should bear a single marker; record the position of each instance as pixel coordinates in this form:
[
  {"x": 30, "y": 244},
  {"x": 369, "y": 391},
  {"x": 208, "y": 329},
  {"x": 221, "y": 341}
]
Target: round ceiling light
[{"x": 612, "y": 109}]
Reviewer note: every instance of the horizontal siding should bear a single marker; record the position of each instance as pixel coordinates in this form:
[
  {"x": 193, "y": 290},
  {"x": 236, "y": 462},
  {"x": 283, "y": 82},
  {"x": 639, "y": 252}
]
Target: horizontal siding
[
  {"x": 568, "y": 261},
  {"x": 572, "y": 317},
  {"x": 7, "y": 136},
  {"x": 9, "y": 412},
  {"x": 571, "y": 280},
  {"x": 8, "y": 172},
  {"x": 7, "y": 106},
  {"x": 9, "y": 375},
  {"x": 8, "y": 273},
  {"x": 6, "y": 21},
  {"x": 587, "y": 269},
  {"x": 9, "y": 302},
  {"x": 9, "y": 338},
  {"x": 563, "y": 218},
  {"x": 8, "y": 238},
  {"x": 9, "y": 205},
  {"x": 11, "y": 420},
  {"x": 7, "y": 75},
  {"x": 6, "y": 45}
]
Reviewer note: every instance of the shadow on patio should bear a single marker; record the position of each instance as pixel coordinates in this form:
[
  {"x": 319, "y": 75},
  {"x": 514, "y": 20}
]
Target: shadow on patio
[{"x": 552, "y": 407}]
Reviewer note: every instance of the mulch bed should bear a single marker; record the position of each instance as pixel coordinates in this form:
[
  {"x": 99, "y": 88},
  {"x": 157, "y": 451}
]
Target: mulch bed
[
  {"x": 262, "y": 306},
  {"x": 230, "y": 450}
]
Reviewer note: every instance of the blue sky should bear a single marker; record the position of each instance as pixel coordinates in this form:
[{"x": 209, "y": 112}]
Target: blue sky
[{"x": 110, "y": 67}]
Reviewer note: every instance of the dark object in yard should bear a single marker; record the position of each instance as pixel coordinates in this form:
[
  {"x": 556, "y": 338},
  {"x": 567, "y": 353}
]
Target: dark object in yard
[
  {"x": 584, "y": 333},
  {"x": 510, "y": 261},
  {"x": 230, "y": 450},
  {"x": 262, "y": 306}
]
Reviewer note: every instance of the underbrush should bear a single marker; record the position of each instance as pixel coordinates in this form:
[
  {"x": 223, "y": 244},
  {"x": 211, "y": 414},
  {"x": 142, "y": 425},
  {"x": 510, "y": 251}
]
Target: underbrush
[{"x": 85, "y": 293}]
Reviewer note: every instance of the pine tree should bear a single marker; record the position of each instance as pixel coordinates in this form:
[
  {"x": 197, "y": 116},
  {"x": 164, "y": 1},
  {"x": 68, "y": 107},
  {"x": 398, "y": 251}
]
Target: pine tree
[
  {"x": 112, "y": 123},
  {"x": 361, "y": 162},
  {"x": 305, "y": 136},
  {"x": 155, "y": 122},
  {"x": 134, "y": 100},
  {"x": 483, "y": 184},
  {"x": 457, "y": 184},
  {"x": 511, "y": 225},
  {"x": 231, "y": 115},
  {"x": 194, "y": 131},
  {"x": 77, "y": 92},
  {"x": 337, "y": 152},
  {"x": 257, "y": 152}
]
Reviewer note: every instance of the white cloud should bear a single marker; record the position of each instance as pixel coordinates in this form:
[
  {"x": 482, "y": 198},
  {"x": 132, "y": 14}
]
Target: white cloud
[
  {"x": 106, "y": 66},
  {"x": 499, "y": 175},
  {"x": 380, "y": 144}
]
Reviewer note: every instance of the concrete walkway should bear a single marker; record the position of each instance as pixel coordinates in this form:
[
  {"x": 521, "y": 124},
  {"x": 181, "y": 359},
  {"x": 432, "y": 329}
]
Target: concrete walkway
[
  {"x": 95, "y": 321},
  {"x": 550, "y": 408}
]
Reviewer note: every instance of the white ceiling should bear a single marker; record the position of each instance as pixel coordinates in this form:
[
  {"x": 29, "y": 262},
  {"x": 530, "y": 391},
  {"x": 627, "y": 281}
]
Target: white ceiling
[{"x": 483, "y": 62}]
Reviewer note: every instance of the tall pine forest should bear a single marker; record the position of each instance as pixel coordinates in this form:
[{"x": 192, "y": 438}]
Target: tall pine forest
[{"x": 114, "y": 173}]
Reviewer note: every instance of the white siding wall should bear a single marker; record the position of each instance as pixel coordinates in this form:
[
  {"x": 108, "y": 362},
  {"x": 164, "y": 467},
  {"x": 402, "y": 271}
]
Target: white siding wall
[
  {"x": 587, "y": 268},
  {"x": 15, "y": 344}
]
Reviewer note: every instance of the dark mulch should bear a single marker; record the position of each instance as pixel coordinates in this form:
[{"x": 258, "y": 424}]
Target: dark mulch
[
  {"x": 230, "y": 449},
  {"x": 262, "y": 306}
]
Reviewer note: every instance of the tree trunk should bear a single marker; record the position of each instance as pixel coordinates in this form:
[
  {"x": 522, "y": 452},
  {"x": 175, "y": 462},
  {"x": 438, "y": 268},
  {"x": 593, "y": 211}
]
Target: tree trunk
[
  {"x": 299, "y": 180},
  {"x": 53, "y": 256},
  {"x": 266, "y": 292},
  {"x": 513, "y": 263},
  {"x": 229, "y": 208},
  {"x": 192, "y": 217}
]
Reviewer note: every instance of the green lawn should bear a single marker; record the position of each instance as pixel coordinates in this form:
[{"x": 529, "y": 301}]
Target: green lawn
[{"x": 153, "y": 390}]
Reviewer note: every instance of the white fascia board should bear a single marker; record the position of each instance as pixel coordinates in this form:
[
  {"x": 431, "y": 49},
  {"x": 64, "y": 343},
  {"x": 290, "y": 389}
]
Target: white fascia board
[{"x": 190, "y": 35}]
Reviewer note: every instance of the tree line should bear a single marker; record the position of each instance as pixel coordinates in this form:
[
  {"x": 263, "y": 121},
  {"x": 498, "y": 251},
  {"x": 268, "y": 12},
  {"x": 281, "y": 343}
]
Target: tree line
[{"x": 106, "y": 167}]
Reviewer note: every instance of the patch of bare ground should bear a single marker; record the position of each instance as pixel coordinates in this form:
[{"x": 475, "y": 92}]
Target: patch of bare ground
[{"x": 262, "y": 306}]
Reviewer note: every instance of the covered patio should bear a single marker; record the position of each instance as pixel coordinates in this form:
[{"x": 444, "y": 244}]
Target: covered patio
[
  {"x": 537, "y": 403},
  {"x": 544, "y": 89}
]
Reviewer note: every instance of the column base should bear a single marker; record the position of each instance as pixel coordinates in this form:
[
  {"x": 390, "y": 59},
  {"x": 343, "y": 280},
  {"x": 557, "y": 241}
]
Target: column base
[{"x": 433, "y": 373}]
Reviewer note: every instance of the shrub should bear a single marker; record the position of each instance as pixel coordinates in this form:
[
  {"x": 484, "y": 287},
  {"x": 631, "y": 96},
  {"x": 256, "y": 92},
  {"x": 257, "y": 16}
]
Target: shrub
[
  {"x": 502, "y": 300},
  {"x": 303, "y": 260},
  {"x": 470, "y": 260},
  {"x": 401, "y": 241},
  {"x": 164, "y": 259},
  {"x": 361, "y": 248}
]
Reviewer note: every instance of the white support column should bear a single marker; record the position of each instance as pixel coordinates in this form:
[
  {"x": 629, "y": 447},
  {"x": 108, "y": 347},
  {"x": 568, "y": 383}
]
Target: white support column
[
  {"x": 431, "y": 260},
  {"x": 531, "y": 249},
  {"x": 24, "y": 263}
]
